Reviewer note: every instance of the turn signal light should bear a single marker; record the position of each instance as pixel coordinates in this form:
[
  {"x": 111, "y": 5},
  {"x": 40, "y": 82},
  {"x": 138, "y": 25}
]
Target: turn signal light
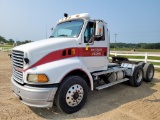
[
  {"x": 37, "y": 78},
  {"x": 42, "y": 78}
]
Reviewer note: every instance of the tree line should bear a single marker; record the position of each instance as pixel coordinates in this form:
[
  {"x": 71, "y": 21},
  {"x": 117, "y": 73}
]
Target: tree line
[
  {"x": 11, "y": 41},
  {"x": 136, "y": 46}
]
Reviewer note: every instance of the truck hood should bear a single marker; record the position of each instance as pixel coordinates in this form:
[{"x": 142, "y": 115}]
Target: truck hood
[
  {"x": 37, "y": 50},
  {"x": 47, "y": 45}
]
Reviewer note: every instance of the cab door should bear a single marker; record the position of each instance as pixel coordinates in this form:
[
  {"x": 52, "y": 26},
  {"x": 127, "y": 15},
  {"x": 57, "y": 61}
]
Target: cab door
[{"x": 94, "y": 49}]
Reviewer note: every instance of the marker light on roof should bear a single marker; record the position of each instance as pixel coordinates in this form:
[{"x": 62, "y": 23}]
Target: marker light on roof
[{"x": 83, "y": 15}]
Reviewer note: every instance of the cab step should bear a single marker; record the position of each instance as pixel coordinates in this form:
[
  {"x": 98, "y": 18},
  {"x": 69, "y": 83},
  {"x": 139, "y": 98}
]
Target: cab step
[{"x": 111, "y": 84}]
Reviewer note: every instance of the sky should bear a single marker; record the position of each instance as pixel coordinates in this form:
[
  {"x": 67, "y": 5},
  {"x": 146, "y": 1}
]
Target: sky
[{"x": 134, "y": 21}]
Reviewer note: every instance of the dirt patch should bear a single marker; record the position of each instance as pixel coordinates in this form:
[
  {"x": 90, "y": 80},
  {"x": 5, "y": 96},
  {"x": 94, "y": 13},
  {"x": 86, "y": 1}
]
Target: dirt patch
[{"x": 120, "y": 102}]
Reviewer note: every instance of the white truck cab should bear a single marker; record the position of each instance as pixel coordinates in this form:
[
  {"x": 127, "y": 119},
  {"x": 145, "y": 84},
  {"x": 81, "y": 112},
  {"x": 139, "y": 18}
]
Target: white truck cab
[{"x": 59, "y": 70}]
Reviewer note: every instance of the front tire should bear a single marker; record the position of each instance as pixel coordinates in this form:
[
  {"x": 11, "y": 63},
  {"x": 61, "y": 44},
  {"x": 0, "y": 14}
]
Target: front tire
[{"x": 72, "y": 94}]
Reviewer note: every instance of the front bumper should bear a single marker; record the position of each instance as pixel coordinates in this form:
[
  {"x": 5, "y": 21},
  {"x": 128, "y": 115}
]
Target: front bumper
[{"x": 34, "y": 96}]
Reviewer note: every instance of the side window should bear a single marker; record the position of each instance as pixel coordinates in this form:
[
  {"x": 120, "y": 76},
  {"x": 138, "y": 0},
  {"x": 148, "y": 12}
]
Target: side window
[{"x": 88, "y": 32}]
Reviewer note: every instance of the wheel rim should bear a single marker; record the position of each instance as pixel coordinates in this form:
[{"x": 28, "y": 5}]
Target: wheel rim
[
  {"x": 139, "y": 76},
  {"x": 150, "y": 73},
  {"x": 74, "y": 95}
]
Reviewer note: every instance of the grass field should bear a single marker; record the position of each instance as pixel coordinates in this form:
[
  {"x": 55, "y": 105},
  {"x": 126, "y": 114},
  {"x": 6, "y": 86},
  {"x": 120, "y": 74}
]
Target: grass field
[
  {"x": 138, "y": 50},
  {"x": 8, "y": 46}
]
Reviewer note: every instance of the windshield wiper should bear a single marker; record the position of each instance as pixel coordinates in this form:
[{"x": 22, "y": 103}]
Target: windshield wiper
[{"x": 62, "y": 35}]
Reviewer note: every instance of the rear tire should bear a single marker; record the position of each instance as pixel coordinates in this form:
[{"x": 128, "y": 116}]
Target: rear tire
[
  {"x": 72, "y": 94},
  {"x": 148, "y": 72},
  {"x": 136, "y": 79}
]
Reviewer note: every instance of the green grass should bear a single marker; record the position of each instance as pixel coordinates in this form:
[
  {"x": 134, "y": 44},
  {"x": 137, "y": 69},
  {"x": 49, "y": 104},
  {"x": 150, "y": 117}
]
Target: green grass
[
  {"x": 132, "y": 57},
  {"x": 137, "y": 50},
  {"x": 6, "y": 46},
  {"x": 155, "y": 63},
  {"x": 153, "y": 58}
]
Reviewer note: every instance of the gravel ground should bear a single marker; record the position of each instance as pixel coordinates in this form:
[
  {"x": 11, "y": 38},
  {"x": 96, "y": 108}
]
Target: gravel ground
[{"x": 120, "y": 102}]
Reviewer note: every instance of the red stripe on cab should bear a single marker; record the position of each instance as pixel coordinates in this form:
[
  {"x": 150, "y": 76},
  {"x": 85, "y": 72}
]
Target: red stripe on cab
[{"x": 70, "y": 52}]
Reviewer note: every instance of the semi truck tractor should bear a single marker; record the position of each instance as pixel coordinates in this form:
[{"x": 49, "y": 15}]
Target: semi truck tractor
[{"x": 59, "y": 71}]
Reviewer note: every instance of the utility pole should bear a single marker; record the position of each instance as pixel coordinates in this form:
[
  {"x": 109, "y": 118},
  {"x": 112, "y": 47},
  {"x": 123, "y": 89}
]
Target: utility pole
[{"x": 115, "y": 41}]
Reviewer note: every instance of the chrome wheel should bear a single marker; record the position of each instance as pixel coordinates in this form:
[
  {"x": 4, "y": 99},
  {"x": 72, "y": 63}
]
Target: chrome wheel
[
  {"x": 74, "y": 95},
  {"x": 139, "y": 76}
]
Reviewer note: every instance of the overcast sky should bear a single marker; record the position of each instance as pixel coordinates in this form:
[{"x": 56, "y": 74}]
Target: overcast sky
[{"x": 135, "y": 21}]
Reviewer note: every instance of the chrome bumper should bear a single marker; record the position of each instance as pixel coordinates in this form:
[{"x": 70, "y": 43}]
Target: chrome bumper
[{"x": 34, "y": 96}]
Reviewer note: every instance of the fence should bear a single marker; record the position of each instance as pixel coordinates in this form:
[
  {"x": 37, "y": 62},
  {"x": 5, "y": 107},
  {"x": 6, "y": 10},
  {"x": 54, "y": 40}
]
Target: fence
[
  {"x": 146, "y": 55},
  {"x": 6, "y": 49}
]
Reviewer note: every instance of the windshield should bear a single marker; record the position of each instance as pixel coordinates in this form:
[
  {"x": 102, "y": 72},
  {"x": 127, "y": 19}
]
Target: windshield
[{"x": 68, "y": 29}]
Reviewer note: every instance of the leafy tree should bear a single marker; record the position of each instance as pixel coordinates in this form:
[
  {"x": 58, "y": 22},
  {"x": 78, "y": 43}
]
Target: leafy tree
[
  {"x": 27, "y": 41},
  {"x": 135, "y": 46},
  {"x": 10, "y": 41},
  {"x": 2, "y": 39}
]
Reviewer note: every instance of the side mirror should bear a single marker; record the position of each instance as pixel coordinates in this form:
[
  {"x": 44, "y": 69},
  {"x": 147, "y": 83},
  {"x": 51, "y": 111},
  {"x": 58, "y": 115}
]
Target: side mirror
[{"x": 99, "y": 29}]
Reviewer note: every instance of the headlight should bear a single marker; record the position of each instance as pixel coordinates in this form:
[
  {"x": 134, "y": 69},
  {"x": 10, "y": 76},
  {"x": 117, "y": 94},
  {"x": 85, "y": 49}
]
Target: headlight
[{"x": 37, "y": 78}]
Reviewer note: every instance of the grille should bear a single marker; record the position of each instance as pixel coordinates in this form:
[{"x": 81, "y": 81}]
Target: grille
[{"x": 17, "y": 62}]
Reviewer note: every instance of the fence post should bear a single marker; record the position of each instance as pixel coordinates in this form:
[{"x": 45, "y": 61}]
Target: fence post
[
  {"x": 146, "y": 56},
  {"x": 115, "y": 54}
]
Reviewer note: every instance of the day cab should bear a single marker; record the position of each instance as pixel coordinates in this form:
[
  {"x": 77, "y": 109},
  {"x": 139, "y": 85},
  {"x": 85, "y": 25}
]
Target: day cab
[{"x": 60, "y": 70}]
